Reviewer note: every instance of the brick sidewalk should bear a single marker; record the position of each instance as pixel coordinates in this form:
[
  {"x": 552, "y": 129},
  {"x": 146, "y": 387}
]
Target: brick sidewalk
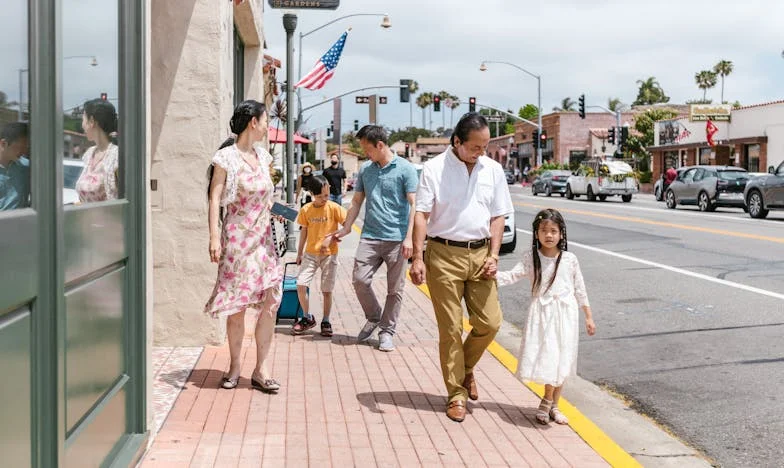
[{"x": 345, "y": 404}]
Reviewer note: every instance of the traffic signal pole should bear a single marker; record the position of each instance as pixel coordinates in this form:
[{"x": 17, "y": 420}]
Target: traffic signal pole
[{"x": 350, "y": 92}]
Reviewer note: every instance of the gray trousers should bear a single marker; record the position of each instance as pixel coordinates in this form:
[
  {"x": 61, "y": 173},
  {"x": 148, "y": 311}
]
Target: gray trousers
[{"x": 370, "y": 255}]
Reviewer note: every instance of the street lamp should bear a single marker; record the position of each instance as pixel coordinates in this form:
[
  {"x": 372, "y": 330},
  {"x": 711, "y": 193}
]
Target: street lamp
[
  {"x": 20, "y": 115},
  {"x": 386, "y": 23},
  {"x": 483, "y": 67}
]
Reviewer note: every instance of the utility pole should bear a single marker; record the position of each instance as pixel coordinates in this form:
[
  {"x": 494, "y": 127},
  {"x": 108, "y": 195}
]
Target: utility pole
[{"x": 290, "y": 25}]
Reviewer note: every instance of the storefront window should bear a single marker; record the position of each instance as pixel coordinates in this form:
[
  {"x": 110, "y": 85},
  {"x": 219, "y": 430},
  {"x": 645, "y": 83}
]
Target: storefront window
[
  {"x": 239, "y": 68},
  {"x": 705, "y": 155},
  {"x": 90, "y": 101},
  {"x": 14, "y": 109},
  {"x": 752, "y": 158},
  {"x": 670, "y": 159}
]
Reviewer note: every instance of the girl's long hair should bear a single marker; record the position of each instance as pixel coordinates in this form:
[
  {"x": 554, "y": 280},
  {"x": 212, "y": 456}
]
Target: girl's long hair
[{"x": 554, "y": 216}]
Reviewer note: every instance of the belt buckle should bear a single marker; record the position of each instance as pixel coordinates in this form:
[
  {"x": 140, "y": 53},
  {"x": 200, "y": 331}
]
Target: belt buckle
[{"x": 470, "y": 243}]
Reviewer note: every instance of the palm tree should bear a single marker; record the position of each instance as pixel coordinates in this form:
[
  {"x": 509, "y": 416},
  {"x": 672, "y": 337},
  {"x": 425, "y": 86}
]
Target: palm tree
[
  {"x": 615, "y": 104},
  {"x": 454, "y": 103},
  {"x": 567, "y": 105},
  {"x": 444, "y": 96},
  {"x": 723, "y": 68},
  {"x": 705, "y": 79},
  {"x": 650, "y": 92},
  {"x": 279, "y": 114},
  {"x": 423, "y": 101},
  {"x": 413, "y": 87}
]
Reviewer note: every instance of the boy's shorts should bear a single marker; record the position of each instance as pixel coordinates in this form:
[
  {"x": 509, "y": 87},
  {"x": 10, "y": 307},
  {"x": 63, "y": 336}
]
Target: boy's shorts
[{"x": 311, "y": 263}]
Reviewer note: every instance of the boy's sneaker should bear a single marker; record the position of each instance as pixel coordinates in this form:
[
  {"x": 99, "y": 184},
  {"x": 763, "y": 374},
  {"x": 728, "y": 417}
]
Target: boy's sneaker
[
  {"x": 385, "y": 342},
  {"x": 326, "y": 329},
  {"x": 366, "y": 331},
  {"x": 303, "y": 324}
]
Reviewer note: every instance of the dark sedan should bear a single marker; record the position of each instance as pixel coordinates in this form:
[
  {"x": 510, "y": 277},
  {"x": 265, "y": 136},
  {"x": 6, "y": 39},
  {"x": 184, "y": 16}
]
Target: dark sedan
[
  {"x": 765, "y": 193},
  {"x": 708, "y": 187},
  {"x": 550, "y": 182}
]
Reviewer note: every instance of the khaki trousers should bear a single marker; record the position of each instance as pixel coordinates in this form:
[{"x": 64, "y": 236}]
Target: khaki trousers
[{"x": 454, "y": 275}]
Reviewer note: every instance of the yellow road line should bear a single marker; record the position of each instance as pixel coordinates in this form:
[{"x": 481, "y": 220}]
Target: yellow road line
[
  {"x": 584, "y": 427},
  {"x": 631, "y": 219}
]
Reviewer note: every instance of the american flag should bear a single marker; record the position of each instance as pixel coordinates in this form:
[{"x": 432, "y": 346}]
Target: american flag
[{"x": 324, "y": 68}]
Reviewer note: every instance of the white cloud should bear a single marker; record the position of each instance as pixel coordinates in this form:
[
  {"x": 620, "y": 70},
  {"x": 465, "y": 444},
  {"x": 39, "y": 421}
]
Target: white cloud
[{"x": 599, "y": 48}]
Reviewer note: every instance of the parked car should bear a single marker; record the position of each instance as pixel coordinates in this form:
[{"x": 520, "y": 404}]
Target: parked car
[
  {"x": 708, "y": 187},
  {"x": 509, "y": 241},
  {"x": 659, "y": 189},
  {"x": 602, "y": 178},
  {"x": 550, "y": 182},
  {"x": 72, "y": 169},
  {"x": 510, "y": 178},
  {"x": 765, "y": 193}
]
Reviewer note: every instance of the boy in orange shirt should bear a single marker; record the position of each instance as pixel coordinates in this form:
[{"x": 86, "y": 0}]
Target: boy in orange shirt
[{"x": 318, "y": 219}]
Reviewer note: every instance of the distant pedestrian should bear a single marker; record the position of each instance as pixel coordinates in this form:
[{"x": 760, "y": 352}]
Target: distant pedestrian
[
  {"x": 389, "y": 184},
  {"x": 669, "y": 177},
  {"x": 303, "y": 192},
  {"x": 336, "y": 176},
  {"x": 240, "y": 196},
  {"x": 462, "y": 202},
  {"x": 549, "y": 350},
  {"x": 318, "y": 250}
]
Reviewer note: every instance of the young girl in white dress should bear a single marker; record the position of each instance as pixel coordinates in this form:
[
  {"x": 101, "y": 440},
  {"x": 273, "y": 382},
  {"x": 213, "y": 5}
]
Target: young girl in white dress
[{"x": 548, "y": 354}]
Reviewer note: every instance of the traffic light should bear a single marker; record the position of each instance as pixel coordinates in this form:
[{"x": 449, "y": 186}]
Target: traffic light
[
  {"x": 405, "y": 91},
  {"x": 624, "y": 135},
  {"x": 331, "y": 128},
  {"x": 543, "y": 139},
  {"x": 436, "y": 103},
  {"x": 535, "y": 138},
  {"x": 472, "y": 104},
  {"x": 611, "y": 135},
  {"x": 356, "y": 125},
  {"x": 104, "y": 97},
  {"x": 581, "y": 106},
  {"x": 407, "y": 149}
]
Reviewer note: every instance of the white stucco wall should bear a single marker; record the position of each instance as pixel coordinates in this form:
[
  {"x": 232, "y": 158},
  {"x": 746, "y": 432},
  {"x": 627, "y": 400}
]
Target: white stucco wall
[
  {"x": 191, "y": 97},
  {"x": 762, "y": 121}
]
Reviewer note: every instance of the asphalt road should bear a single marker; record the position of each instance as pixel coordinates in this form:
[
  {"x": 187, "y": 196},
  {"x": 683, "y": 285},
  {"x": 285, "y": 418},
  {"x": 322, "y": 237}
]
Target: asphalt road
[{"x": 690, "y": 314}]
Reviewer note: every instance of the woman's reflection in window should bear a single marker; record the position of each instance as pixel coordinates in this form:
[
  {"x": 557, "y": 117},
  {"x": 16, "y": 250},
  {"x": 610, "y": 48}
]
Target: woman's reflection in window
[{"x": 98, "y": 181}]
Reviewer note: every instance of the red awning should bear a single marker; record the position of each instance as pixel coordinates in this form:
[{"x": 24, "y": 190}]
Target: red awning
[{"x": 279, "y": 136}]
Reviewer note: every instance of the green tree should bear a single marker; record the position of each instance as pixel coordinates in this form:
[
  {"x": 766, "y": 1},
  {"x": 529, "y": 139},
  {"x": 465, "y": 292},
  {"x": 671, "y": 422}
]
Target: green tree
[
  {"x": 454, "y": 103},
  {"x": 567, "y": 105},
  {"x": 528, "y": 112},
  {"x": 444, "y": 96},
  {"x": 279, "y": 115},
  {"x": 423, "y": 101},
  {"x": 615, "y": 104},
  {"x": 639, "y": 141},
  {"x": 723, "y": 68},
  {"x": 650, "y": 92},
  {"x": 413, "y": 87},
  {"x": 706, "y": 79},
  {"x": 409, "y": 135}
]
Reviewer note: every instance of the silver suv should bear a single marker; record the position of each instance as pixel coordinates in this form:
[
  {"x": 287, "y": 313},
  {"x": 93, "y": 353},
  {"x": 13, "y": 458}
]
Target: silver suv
[
  {"x": 765, "y": 193},
  {"x": 708, "y": 187}
]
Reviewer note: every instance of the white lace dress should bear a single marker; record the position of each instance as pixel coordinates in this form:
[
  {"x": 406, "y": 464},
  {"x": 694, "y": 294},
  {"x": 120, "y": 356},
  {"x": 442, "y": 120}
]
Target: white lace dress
[{"x": 548, "y": 353}]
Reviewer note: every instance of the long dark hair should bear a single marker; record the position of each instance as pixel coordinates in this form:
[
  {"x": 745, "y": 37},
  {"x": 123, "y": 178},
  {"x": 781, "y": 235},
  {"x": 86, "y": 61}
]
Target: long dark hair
[
  {"x": 243, "y": 114},
  {"x": 548, "y": 214}
]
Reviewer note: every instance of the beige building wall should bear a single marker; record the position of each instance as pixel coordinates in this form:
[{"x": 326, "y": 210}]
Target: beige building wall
[{"x": 191, "y": 101}]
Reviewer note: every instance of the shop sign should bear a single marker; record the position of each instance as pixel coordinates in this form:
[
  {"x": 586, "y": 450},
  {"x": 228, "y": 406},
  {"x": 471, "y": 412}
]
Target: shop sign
[{"x": 713, "y": 112}]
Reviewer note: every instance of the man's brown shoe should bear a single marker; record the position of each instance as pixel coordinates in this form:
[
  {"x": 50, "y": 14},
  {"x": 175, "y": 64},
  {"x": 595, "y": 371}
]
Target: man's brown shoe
[
  {"x": 456, "y": 410},
  {"x": 469, "y": 383}
]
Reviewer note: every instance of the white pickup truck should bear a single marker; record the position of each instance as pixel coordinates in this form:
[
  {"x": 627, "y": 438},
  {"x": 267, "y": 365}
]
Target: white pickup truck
[{"x": 601, "y": 178}]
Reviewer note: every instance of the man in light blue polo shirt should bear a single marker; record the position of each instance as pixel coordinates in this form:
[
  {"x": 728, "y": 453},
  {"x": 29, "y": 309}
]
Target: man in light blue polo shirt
[
  {"x": 389, "y": 184},
  {"x": 14, "y": 168}
]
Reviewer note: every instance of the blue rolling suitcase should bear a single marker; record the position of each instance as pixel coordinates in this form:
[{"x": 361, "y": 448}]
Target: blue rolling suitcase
[{"x": 290, "y": 308}]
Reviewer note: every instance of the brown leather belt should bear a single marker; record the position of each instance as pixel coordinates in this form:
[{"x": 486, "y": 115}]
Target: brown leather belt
[{"x": 473, "y": 244}]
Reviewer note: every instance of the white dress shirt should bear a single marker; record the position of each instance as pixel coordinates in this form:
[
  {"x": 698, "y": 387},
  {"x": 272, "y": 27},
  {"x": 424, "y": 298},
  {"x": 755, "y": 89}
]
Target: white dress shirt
[{"x": 461, "y": 204}]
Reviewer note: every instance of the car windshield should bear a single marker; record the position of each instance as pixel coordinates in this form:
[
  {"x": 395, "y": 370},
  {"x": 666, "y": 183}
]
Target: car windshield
[
  {"x": 733, "y": 175},
  {"x": 71, "y": 175}
]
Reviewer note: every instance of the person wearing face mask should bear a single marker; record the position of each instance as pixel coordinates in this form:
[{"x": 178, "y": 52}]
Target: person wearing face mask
[
  {"x": 304, "y": 185},
  {"x": 336, "y": 176},
  {"x": 460, "y": 206}
]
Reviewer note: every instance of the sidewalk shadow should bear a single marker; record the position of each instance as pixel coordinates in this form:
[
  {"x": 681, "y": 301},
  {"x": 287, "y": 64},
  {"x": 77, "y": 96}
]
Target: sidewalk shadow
[{"x": 519, "y": 416}]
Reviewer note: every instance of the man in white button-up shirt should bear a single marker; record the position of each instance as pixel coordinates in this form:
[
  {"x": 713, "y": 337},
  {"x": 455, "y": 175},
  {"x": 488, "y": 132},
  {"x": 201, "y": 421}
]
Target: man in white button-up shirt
[{"x": 461, "y": 204}]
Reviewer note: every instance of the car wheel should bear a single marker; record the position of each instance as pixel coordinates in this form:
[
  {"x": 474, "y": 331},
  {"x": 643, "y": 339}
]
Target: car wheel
[
  {"x": 754, "y": 203},
  {"x": 548, "y": 191},
  {"x": 563, "y": 195},
  {"x": 669, "y": 199},
  {"x": 506, "y": 248},
  {"x": 602, "y": 197},
  {"x": 704, "y": 202},
  {"x": 533, "y": 190},
  {"x": 590, "y": 195},
  {"x": 626, "y": 198},
  {"x": 569, "y": 193}
]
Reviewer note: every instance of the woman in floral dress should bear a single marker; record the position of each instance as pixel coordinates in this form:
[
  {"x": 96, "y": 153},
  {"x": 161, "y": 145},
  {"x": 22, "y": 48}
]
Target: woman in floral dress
[
  {"x": 240, "y": 197},
  {"x": 98, "y": 180}
]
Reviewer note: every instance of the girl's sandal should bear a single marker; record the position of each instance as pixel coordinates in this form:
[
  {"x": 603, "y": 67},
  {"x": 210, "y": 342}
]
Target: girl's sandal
[
  {"x": 557, "y": 416},
  {"x": 543, "y": 412}
]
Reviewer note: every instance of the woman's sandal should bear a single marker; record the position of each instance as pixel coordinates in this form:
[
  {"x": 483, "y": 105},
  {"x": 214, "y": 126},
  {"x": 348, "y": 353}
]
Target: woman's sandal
[
  {"x": 266, "y": 385},
  {"x": 228, "y": 383},
  {"x": 544, "y": 411},
  {"x": 557, "y": 416}
]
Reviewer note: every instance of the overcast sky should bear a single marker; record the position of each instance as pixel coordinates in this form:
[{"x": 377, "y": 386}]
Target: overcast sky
[{"x": 599, "y": 48}]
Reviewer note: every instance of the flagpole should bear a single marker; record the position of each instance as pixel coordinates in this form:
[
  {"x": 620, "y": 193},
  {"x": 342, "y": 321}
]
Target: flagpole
[{"x": 290, "y": 25}]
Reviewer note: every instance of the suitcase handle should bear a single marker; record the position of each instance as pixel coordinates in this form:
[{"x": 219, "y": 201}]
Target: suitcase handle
[{"x": 286, "y": 267}]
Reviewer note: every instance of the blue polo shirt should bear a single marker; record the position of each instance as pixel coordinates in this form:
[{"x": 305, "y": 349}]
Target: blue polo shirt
[
  {"x": 385, "y": 189},
  {"x": 15, "y": 185}
]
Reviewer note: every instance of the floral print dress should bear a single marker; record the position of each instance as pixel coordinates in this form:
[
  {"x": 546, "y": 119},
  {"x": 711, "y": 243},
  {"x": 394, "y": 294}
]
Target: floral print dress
[
  {"x": 98, "y": 180},
  {"x": 249, "y": 273}
]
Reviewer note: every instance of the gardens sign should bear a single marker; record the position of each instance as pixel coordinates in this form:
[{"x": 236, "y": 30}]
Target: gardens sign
[
  {"x": 713, "y": 112},
  {"x": 305, "y": 4}
]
